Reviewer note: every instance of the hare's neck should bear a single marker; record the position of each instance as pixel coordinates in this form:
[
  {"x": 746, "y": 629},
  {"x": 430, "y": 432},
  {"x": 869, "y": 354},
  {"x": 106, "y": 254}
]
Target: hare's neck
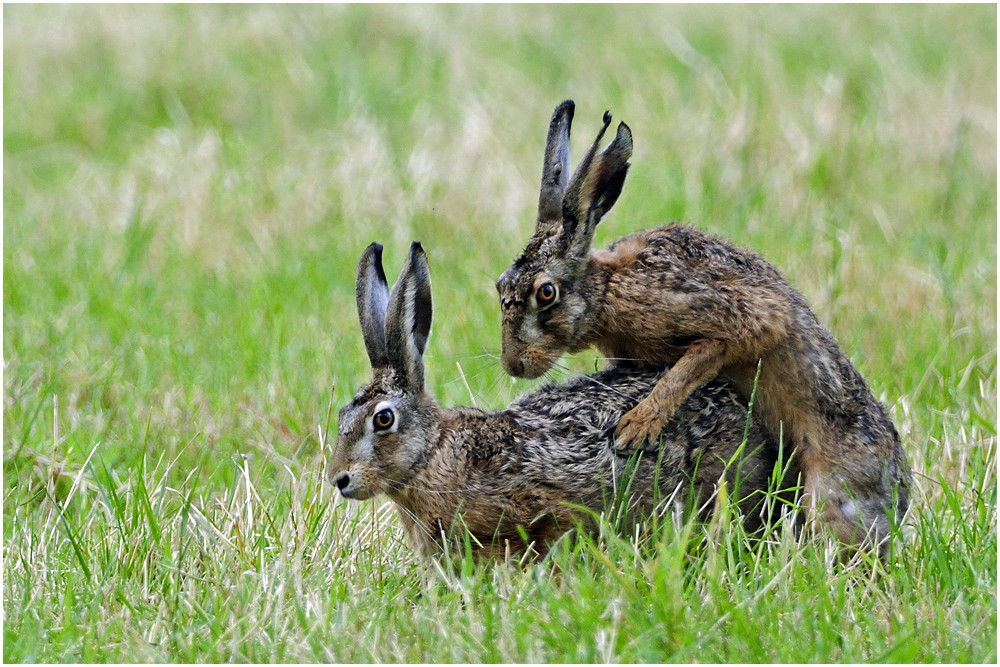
[
  {"x": 458, "y": 474},
  {"x": 622, "y": 326},
  {"x": 592, "y": 285},
  {"x": 442, "y": 471}
]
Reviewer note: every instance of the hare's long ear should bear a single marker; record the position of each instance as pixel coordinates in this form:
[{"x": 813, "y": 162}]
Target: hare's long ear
[
  {"x": 595, "y": 187},
  {"x": 408, "y": 321},
  {"x": 373, "y": 297},
  {"x": 555, "y": 171}
]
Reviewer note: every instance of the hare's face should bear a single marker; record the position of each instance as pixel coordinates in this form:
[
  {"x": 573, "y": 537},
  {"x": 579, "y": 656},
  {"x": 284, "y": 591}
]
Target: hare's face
[
  {"x": 379, "y": 440},
  {"x": 548, "y": 294},
  {"x": 542, "y": 310}
]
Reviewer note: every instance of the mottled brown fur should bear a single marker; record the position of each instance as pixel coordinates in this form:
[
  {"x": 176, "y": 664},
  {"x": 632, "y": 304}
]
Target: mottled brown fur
[
  {"x": 679, "y": 296},
  {"x": 536, "y": 466}
]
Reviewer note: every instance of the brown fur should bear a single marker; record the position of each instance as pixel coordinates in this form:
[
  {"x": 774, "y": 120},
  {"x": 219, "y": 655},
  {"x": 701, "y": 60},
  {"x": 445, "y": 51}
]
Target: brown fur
[
  {"x": 520, "y": 478},
  {"x": 677, "y": 295}
]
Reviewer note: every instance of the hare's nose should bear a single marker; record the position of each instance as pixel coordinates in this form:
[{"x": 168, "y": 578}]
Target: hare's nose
[
  {"x": 342, "y": 480},
  {"x": 512, "y": 365}
]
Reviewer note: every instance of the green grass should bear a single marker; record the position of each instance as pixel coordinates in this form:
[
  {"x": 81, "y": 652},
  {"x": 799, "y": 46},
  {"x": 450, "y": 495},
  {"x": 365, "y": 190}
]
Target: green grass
[{"x": 187, "y": 191}]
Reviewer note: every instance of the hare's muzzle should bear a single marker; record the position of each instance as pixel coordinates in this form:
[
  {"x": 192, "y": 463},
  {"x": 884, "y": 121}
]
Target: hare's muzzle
[
  {"x": 512, "y": 365},
  {"x": 527, "y": 362},
  {"x": 342, "y": 481},
  {"x": 350, "y": 485}
]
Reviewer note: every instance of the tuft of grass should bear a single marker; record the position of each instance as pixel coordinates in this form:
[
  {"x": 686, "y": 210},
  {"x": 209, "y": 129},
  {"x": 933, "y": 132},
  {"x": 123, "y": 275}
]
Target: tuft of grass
[{"x": 187, "y": 190}]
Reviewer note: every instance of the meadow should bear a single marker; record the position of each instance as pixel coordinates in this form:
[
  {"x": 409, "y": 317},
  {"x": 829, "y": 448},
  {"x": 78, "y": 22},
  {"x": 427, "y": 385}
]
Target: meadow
[{"x": 187, "y": 191}]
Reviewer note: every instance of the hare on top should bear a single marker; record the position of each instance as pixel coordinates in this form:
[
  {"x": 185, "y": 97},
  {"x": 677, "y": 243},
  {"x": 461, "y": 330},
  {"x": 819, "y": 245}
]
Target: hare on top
[{"x": 675, "y": 295}]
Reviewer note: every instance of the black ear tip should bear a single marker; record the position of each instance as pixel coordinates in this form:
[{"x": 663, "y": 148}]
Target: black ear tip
[
  {"x": 564, "y": 109},
  {"x": 607, "y": 118},
  {"x": 373, "y": 255},
  {"x": 417, "y": 253},
  {"x": 624, "y": 135}
]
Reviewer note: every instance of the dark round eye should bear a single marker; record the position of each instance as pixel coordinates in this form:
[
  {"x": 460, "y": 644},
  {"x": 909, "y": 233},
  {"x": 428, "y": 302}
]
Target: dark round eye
[
  {"x": 383, "y": 419},
  {"x": 546, "y": 294}
]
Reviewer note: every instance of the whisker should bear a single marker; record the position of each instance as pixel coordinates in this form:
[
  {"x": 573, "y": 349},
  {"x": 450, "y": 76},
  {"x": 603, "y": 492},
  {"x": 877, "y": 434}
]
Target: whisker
[
  {"x": 591, "y": 378},
  {"x": 609, "y": 359},
  {"x": 497, "y": 385},
  {"x": 441, "y": 492},
  {"x": 472, "y": 396},
  {"x": 469, "y": 355},
  {"x": 418, "y": 522}
]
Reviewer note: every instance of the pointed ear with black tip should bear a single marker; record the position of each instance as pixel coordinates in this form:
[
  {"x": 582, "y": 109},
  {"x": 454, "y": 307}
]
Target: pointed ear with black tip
[
  {"x": 555, "y": 170},
  {"x": 594, "y": 188},
  {"x": 408, "y": 320},
  {"x": 373, "y": 298}
]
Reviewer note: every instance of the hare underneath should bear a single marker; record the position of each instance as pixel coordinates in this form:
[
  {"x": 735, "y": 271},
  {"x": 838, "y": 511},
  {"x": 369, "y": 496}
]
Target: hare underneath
[
  {"x": 517, "y": 479},
  {"x": 674, "y": 295}
]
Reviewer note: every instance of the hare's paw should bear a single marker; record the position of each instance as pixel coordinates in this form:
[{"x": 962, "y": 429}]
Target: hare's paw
[{"x": 643, "y": 422}]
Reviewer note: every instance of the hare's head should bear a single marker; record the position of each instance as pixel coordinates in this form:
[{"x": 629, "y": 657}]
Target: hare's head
[
  {"x": 546, "y": 296},
  {"x": 384, "y": 430}
]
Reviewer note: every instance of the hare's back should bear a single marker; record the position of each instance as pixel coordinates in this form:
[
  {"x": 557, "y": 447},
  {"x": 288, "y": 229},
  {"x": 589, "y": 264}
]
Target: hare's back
[
  {"x": 682, "y": 249},
  {"x": 570, "y": 435}
]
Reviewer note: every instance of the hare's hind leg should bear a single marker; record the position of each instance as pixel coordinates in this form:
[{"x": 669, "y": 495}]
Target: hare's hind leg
[{"x": 701, "y": 362}]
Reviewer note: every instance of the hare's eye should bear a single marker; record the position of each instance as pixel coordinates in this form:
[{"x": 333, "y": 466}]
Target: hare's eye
[
  {"x": 383, "y": 419},
  {"x": 546, "y": 294}
]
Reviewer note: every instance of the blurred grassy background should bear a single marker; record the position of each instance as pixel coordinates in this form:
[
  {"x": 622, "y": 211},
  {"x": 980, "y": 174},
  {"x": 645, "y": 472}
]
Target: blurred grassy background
[{"x": 187, "y": 190}]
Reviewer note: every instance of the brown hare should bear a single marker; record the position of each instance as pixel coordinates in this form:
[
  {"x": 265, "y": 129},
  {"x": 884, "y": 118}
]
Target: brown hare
[
  {"x": 533, "y": 466},
  {"x": 675, "y": 295}
]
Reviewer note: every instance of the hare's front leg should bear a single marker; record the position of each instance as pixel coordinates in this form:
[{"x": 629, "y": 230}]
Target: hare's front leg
[{"x": 700, "y": 362}]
